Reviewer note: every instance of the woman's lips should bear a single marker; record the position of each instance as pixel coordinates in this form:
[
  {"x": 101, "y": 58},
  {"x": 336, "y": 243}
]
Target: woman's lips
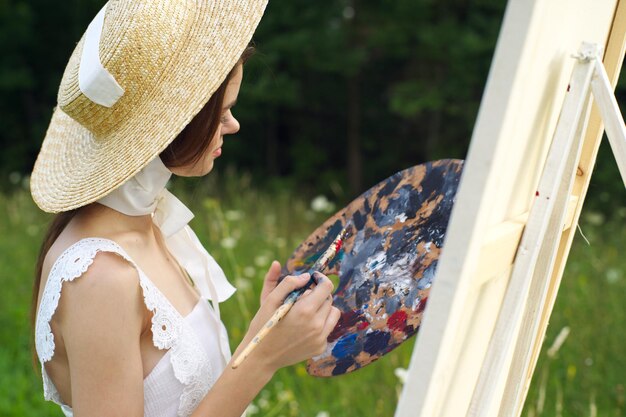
[{"x": 217, "y": 152}]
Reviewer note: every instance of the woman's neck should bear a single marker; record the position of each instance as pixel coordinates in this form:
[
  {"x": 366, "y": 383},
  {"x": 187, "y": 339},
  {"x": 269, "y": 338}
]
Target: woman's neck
[{"x": 100, "y": 220}]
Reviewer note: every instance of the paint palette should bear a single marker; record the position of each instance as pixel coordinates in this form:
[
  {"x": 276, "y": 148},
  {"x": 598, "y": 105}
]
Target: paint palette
[{"x": 386, "y": 265}]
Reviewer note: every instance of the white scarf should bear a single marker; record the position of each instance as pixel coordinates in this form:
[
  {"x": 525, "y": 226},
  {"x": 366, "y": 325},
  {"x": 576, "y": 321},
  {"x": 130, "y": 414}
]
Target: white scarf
[{"x": 145, "y": 193}]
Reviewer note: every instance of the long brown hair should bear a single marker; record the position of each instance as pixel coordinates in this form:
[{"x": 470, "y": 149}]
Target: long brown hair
[
  {"x": 187, "y": 148},
  {"x": 57, "y": 225},
  {"x": 191, "y": 143}
]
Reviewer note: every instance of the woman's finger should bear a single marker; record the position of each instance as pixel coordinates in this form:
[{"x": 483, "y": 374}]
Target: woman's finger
[
  {"x": 287, "y": 285},
  {"x": 322, "y": 290},
  {"x": 331, "y": 320},
  {"x": 271, "y": 280}
]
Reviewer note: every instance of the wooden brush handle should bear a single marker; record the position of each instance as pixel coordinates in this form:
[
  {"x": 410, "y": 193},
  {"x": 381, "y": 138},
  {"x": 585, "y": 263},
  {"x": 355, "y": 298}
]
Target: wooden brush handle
[{"x": 276, "y": 317}]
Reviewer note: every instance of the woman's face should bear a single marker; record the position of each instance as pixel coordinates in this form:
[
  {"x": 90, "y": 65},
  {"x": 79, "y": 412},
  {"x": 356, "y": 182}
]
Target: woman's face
[{"x": 228, "y": 126}]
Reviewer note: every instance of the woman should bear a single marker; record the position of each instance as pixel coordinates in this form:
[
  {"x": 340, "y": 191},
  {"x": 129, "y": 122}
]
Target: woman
[{"x": 122, "y": 326}]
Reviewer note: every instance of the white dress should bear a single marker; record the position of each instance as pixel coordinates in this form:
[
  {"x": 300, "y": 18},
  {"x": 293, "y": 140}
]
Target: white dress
[{"x": 197, "y": 344}]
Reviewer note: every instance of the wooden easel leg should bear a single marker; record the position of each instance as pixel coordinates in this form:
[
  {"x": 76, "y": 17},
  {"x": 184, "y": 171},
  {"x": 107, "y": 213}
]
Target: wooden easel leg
[{"x": 611, "y": 116}]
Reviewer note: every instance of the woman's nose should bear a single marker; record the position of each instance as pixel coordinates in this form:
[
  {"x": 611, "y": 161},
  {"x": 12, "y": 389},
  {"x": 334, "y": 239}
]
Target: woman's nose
[
  {"x": 236, "y": 125},
  {"x": 231, "y": 127}
]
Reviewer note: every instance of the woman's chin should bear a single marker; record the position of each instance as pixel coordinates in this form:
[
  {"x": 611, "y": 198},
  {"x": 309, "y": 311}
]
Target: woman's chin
[
  {"x": 198, "y": 170},
  {"x": 207, "y": 167}
]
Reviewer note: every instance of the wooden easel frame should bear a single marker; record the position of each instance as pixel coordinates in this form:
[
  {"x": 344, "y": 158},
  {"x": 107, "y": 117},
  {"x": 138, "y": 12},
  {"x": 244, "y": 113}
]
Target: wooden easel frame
[
  {"x": 433, "y": 364},
  {"x": 522, "y": 313}
]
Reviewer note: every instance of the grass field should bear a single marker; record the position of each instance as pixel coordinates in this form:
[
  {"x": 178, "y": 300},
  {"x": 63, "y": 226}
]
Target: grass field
[{"x": 246, "y": 229}]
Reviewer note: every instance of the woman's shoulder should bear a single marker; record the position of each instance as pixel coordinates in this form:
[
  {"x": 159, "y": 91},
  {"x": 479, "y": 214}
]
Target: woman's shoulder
[
  {"x": 73, "y": 257},
  {"x": 88, "y": 268},
  {"x": 94, "y": 266},
  {"x": 104, "y": 280},
  {"x": 86, "y": 282}
]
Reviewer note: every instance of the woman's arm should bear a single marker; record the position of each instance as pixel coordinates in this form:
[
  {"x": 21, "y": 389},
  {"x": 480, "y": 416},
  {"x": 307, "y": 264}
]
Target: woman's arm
[
  {"x": 301, "y": 334},
  {"x": 100, "y": 317}
]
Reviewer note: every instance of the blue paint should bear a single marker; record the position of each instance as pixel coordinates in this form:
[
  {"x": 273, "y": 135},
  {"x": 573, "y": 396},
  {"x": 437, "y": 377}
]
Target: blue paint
[
  {"x": 346, "y": 346},
  {"x": 376, "y": 342},
  {"x": 342, "y": 366},
  {"x": 427, "y": 278},
  {"x": 412, "y": 298},
  {"x": 392, "y": 304}
]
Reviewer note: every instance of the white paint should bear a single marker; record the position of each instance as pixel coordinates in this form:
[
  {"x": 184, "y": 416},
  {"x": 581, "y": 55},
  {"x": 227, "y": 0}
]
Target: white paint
[
  {"x": 376, "y": 262},
  {"x": 401, "y": 218}
]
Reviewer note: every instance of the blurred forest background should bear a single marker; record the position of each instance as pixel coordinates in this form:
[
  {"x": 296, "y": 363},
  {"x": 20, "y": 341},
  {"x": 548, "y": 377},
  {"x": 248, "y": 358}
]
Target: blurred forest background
[{"x": 340, "y": 95}]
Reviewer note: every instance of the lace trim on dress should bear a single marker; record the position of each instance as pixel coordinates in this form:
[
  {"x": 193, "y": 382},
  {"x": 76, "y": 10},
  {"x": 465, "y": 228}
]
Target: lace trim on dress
[{"x": 188, "y": 358}]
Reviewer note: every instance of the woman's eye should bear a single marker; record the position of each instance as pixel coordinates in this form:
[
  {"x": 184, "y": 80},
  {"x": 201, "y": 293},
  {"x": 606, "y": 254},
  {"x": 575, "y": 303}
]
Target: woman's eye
[{"x": 225, "y": 117}]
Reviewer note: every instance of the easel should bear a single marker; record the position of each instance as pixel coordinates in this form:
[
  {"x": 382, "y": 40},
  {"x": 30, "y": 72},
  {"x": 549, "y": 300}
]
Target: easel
[
  {"x": 528, "y": 287},
  {"x": 498, "y": 276}
]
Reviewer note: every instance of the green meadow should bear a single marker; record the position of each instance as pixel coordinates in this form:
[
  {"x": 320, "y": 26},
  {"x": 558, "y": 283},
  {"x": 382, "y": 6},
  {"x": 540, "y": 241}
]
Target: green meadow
[{"x": 582, "y": 372}]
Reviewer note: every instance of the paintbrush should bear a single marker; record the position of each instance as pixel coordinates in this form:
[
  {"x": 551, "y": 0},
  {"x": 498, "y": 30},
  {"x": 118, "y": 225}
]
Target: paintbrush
[{"x": 319, "y": 265}]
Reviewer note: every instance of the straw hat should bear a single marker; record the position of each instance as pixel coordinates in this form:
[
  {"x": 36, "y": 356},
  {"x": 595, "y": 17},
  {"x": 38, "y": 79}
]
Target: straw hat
[{"x": 140, "y": 73}]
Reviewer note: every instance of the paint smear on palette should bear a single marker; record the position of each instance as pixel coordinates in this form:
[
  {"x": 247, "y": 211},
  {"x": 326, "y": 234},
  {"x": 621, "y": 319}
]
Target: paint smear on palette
[{"x": 387, "y": 263}]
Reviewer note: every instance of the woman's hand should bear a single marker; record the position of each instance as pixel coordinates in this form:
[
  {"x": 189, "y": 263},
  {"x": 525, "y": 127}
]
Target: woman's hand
[{"x": 302, "y": 333}]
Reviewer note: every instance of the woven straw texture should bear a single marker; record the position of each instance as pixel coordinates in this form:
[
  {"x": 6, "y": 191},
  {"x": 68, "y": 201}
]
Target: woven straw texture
[{"x": 169, "y": 56}]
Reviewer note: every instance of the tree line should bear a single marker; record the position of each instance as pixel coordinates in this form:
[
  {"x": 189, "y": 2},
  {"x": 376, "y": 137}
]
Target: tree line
[{"x": 340, "y": 94}]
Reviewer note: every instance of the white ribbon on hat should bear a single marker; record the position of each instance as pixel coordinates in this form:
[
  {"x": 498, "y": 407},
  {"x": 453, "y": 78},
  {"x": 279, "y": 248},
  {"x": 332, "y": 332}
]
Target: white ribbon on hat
[
  {"x": 94, "y": 81},
  {"x": 145, "y": 193}
]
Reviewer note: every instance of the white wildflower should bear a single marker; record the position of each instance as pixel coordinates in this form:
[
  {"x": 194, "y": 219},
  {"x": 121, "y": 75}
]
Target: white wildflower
[
  {"x": 321, "y": 204},
  {"x": 264, "y": 403},
  {"x": 249, "y": 271},
  {"x": 323, "y": 414},
  {"x": 242, "y": 284},
  {"x": 402, "y": 374},
  {"x": 228, "y": 242},
  {"x": 595, "y": 218},
  {"x": 261, "y": 260},
  {"x": 252, "y": 409},
  {"x": 613, "y": 275},
  {"x": 284, "y": 396},
  {"x": 233, "y": 215}
]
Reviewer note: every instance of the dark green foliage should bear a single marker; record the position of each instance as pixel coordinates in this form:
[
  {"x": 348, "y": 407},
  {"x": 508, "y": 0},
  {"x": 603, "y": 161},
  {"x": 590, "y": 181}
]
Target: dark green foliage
[
  {"x": 356, "y": 89},
  {"x": 341, "y": 93},
  {"x": 36, "y": 39}
]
